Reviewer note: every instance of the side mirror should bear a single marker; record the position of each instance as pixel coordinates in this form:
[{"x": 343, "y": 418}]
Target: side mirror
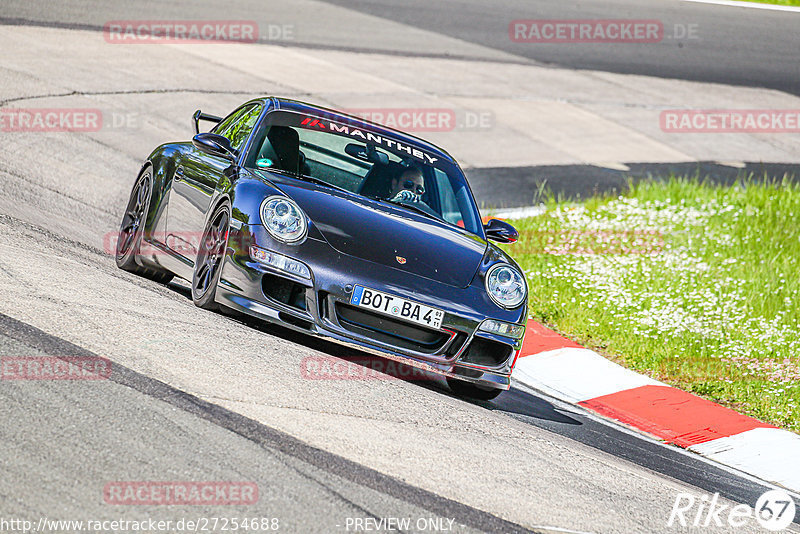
[
  {"x": 500, "y": 231},
  {"x": 214, "y": 144}
]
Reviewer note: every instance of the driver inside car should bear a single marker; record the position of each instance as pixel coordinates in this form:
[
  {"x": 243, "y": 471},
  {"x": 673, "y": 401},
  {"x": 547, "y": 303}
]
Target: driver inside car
[{"x": 408, "y": 187}]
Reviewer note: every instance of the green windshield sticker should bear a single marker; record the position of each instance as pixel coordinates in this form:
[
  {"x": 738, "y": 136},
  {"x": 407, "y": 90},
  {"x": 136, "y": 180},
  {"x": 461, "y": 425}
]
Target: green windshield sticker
[{"x": 264, "y": 163}]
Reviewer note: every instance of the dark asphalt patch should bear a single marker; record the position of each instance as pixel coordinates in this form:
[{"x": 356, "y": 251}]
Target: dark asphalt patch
[
  {"x": 523, "y": 405},
  {"x": 509, "y": 187},
  {"x": 265, "y": 436}
]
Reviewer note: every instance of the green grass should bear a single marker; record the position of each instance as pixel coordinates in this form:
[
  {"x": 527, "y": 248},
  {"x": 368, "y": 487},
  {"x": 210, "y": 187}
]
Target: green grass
[
  {"x": 693, "y": 284},
  {"x": 775, "y": 2}
]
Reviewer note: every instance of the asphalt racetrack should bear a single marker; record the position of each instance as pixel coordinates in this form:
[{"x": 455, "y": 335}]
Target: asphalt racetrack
[{"x": 200, "y": 396}]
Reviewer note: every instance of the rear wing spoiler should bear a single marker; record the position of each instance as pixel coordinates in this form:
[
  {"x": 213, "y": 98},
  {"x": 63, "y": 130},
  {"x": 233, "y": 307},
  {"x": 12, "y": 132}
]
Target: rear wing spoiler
[{"x": 200, "y": 116}]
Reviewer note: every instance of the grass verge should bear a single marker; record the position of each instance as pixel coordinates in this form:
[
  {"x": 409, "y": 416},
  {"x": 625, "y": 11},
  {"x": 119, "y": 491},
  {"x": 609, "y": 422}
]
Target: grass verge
[
  {"x": 694, "y": 284},
  {"x": 792, "y": 3}
]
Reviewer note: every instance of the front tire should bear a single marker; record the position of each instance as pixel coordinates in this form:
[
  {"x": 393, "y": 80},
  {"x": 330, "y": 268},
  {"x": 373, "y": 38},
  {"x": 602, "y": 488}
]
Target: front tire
[
  {"x": 472, "y": 391},
  {"x": 208, "y": 265},
  {"x": 131, "y": 230}
]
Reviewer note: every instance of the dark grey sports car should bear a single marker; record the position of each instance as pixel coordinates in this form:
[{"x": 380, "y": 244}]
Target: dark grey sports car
[{"x": 331, "y": 225}]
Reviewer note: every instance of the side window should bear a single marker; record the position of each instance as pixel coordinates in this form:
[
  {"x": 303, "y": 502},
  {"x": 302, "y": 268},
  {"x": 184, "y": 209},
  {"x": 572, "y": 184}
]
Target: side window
[
  {"x": 447, "y": 198},
  {"x": 237, "y": 127},
  {"x": 225, "y": 124}
]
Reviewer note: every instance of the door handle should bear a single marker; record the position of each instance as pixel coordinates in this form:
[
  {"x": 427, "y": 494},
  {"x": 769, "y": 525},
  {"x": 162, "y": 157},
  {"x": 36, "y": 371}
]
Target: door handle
[{"x": 179, "y": 174}]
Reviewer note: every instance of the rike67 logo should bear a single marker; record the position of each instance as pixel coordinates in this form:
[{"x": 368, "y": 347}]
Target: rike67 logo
[{"x": 775, "y": 511}]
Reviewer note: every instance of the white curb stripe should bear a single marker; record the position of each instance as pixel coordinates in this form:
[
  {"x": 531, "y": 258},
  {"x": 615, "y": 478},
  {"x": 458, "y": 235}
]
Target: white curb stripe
[
  {"x": 577, "y": 375},
  {"x": 574, "y": 375},
  {"x": 519, "y": 213},
  {"x": 771, "y": 454}
]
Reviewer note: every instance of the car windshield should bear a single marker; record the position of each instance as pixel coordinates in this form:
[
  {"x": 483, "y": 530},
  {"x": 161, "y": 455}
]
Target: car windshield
[{"x": 350, "y": 156}]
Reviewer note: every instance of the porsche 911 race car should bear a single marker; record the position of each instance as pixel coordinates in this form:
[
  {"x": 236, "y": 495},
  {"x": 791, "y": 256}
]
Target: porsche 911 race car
[{"x": 335, "y": 226}]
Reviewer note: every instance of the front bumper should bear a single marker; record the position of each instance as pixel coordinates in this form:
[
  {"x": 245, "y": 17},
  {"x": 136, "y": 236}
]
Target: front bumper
[{"x": 321, "y": 306}]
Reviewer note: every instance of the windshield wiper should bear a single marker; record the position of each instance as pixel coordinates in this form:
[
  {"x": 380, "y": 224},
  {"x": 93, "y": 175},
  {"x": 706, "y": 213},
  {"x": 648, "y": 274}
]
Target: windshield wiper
[
  {"x": 305, "y": 178},
  {"x": 319, "y": 181},
  {"x": 410, "y": 207}
]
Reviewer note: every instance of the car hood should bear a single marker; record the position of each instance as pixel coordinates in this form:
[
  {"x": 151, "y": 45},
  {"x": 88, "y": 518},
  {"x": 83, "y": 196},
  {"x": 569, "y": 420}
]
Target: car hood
[{"x": 389, "y": 235}]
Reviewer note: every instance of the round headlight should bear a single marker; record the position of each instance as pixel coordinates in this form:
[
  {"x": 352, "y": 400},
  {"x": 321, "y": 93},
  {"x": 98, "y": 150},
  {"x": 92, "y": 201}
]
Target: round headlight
[
  {"x": 283, "y": 219},
  {"x": 505, "y": 286}
]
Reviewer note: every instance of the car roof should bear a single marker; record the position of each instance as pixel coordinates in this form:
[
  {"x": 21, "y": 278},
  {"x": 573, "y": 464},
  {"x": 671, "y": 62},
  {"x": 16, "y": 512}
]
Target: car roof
[{"x": 311, "y": 109}]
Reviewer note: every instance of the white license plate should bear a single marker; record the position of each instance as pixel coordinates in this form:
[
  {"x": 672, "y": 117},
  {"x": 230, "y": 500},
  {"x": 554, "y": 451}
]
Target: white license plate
[{"x": 395, "y": 306}]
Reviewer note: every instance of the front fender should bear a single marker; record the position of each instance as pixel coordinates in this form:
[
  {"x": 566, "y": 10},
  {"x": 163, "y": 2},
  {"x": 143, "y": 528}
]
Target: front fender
[
  {"x": 495, "y": 255},
  {"x": 246, "y": 197}
]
